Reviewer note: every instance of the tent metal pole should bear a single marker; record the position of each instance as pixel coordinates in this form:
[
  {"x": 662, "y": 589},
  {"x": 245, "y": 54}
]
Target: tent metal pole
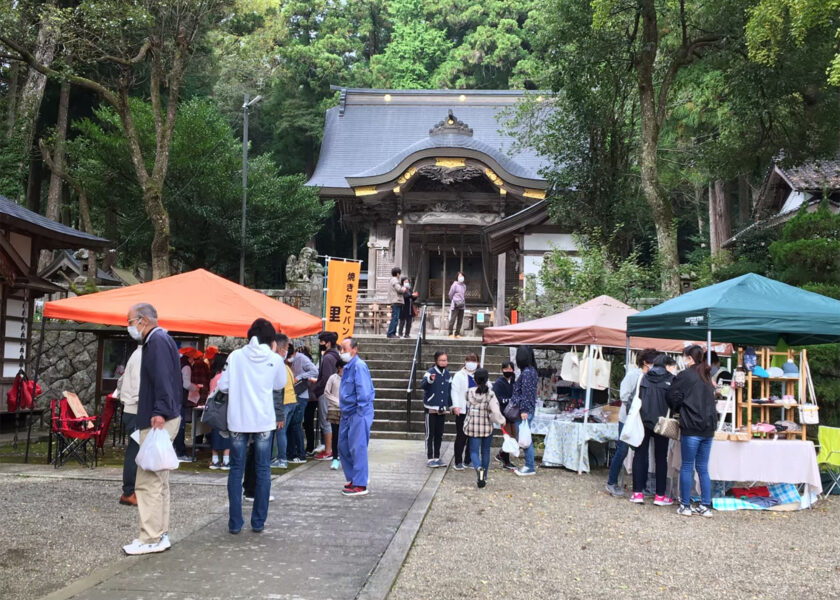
[
  {"x": 587, "y": 404},
  {"x": 627, "y": 354},
  {"x": 709, "y": 347},
  {"x": 35, "y": 383}
]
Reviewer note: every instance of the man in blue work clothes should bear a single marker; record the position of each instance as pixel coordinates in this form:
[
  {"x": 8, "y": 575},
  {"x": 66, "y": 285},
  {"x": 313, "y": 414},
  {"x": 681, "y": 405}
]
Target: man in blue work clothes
[{"x": 355, "y": 396}]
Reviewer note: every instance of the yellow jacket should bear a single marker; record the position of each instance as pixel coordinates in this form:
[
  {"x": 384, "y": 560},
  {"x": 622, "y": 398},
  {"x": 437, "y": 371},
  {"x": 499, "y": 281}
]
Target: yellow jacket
[{"x": 289, "y": 396}]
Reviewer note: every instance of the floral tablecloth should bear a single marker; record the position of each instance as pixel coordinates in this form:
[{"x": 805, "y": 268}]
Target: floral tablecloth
[{"x": 561, "y": 443}]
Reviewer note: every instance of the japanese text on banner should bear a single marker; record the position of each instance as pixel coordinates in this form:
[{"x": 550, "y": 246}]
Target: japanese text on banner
[{"x": 342, "y": 291}]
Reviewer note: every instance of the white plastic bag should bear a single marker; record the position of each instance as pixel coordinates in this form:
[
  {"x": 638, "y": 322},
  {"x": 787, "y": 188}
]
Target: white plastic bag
[
  {"x": 525, "y": 435},
  {"x": 156, "y": 452},
  {"x": 633, "y": 432},
  {"x": 511, "y": 446}
]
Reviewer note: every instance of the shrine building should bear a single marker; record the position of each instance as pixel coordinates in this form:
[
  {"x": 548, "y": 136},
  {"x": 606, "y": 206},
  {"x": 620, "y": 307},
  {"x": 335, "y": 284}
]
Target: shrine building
[{"x": 435, "y": 182}]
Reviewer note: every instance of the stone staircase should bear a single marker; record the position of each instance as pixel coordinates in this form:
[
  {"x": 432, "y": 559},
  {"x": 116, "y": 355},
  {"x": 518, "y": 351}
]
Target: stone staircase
[{"x": 390, "y": 366}]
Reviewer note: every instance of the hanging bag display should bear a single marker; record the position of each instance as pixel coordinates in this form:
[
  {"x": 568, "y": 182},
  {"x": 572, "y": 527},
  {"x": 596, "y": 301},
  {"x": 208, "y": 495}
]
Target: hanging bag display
[
  {"x": 570, "y": 368},
  {"x": 22, "y": 394},
  {"x": 668, "y": 427},
  {"x": 633, "y": 432},
  {"x": 600, "y": 366},
  {"x": 809, "y": 412}
]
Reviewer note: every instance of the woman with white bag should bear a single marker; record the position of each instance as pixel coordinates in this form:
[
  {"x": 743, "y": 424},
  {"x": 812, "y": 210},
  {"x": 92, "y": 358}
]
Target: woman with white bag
[{"x": 525, "y": 399}]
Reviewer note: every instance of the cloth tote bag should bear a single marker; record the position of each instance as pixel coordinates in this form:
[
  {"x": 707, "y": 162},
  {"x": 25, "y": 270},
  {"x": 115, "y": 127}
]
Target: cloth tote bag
[
  {"x": 570, "y": 369},
  {"x": 633, "y": 432},
  {"x": 600, "y": 366}
]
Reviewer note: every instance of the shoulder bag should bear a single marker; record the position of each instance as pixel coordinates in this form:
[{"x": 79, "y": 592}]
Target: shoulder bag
[
  {"x": 215, "y": 411},
  {"x": 668, "y": 427}
]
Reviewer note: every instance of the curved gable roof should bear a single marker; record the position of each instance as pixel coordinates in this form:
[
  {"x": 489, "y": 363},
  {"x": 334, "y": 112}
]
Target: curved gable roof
[{"x": 367, "y": 136}]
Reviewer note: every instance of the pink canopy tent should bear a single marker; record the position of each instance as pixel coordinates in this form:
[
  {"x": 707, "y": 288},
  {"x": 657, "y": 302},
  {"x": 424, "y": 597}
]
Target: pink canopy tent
[{"x": 602, "y": 321}]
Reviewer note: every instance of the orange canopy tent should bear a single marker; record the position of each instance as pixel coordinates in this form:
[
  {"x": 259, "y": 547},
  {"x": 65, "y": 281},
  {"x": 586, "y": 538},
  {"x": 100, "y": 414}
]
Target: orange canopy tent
[
  {"x": 602, "y": 321},
  {"x": 195, "y": 302}
]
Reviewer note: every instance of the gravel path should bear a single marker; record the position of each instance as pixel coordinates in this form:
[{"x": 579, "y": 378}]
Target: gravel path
[
  {"x": 560, "y": 535},
  {"x": 54, "y": 530}
]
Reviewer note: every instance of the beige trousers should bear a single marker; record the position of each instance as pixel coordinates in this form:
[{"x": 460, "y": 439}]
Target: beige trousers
[{"x": 152, "y": 489}]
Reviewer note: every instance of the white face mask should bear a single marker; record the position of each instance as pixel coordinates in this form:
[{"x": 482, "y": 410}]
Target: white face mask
[
  {"x": 407, "y": 285},
  {"x": 471, "y": 366},
  {"x": 134, "y": 333},
  {"x": 345, "y": 357},
  {"x": 460, "y": 279}
]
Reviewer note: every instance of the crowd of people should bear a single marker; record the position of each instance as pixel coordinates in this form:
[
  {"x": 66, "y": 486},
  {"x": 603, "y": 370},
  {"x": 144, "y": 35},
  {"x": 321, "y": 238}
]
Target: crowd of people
[
  {"x": 270, "y": 387},
  {"x": 662, "y": 390},
  {"x": 477, "y": 408}
]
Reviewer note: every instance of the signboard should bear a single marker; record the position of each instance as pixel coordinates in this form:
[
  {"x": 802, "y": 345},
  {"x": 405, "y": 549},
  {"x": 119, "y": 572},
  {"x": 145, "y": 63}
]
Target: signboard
[{"x": 342, "y": 292}]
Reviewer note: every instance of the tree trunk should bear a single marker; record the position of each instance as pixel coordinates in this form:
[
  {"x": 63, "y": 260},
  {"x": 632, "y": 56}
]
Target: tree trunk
[
  {"x": 698, "y": 205},
  {"x": 31, "y": 95},
  {"x": 57, "y": 169},
  {"x": 744, "y": 201},
  {"x": 720, "y": 222},
  {"x": 153, "y": 201},
  {"x": 660, "y": 205},
  {"x": 11, "y": 103}
]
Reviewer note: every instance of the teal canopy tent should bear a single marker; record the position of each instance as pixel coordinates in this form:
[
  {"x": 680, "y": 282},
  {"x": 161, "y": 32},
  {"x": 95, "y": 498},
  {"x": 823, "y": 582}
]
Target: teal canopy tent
[{"x": 747, "y": 310}]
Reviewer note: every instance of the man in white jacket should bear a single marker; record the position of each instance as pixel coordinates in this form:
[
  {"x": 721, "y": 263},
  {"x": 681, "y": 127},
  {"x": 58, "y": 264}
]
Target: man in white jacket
[
  {"x": 128, "y": 392},
  {"x": 462, "y": 381},
  {"x": 254, "y": 378}
]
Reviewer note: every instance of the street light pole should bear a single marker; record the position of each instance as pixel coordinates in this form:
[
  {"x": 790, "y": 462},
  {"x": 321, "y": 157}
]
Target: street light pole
[{"x": 245, "y": 106}]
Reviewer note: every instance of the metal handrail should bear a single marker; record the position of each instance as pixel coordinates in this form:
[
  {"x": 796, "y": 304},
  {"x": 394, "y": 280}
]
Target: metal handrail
[{"x": 418, "y": 358}]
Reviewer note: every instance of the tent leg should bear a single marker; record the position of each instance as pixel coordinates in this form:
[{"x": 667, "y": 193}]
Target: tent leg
[
  {"x": 709, "y": 347},
  {"x": 483, "y": 349},
  {"x": 587, "y": 404},
  {"x": 627, "y": 354}
]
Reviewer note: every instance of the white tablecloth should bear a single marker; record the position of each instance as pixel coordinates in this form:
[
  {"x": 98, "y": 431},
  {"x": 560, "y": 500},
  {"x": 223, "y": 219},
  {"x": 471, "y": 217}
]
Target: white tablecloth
[
  {"x": 768, "y": 461},
  {"x": 561, "y": 443},
  {"x": 542, "y": 423}
]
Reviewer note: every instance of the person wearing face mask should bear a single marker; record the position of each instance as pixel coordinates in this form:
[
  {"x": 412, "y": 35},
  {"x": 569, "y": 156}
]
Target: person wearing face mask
[
  {"x": 395, "y": 299},
  {"x": 158, "y": 407},
  {"x": 458, "y": 297},
  {"x": 327, "y": 367},
  {"x": 525, "y": 399},
  {"x": 281, "y": 436},
  {"x": 355, "y": 397},
  {"x": 437, "y": 400},
  {"x": 407, "y": 311},
  {"x": 503, "y": 390},
  {"x": 462, "y": 381}
]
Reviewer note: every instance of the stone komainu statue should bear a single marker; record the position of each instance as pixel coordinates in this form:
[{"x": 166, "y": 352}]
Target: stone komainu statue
[{"x": 304, "y": 268}]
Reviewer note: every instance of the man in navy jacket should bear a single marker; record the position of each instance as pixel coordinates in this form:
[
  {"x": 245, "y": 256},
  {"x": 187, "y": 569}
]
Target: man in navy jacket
[{"x": 158, "y": 407}]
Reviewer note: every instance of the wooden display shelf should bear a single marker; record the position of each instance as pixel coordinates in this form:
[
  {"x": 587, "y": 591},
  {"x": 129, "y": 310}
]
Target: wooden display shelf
[{"x": 761, "y": 385}]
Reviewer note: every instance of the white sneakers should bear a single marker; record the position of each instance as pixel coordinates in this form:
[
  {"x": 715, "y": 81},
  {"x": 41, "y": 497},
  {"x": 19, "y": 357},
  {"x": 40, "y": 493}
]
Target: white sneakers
[{"x": 137, "y": 547}]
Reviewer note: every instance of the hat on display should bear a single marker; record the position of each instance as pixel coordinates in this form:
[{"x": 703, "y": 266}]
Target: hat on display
[
  {"x": 775, "y": 372},
  {"x": 790, "y": 369},
  {"x": 760, "y": 372}
]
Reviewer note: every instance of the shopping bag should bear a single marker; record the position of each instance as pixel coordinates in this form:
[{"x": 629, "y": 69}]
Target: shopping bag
[
  {"x": 601, "y": 368},
  {"x": 215, "y": 411},
  {"x": 511, "y": 446},
  {"x": 570, "y": 369},
  {"x": 156, "y": 452},
  {"x": 525, "y": 435},
  {"x": 633, "y": 431}
]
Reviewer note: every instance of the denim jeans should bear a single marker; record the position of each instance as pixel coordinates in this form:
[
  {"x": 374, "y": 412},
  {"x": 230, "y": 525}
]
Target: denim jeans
[
  {"x": 621, "y": 450},
  {"x": 396, "y": 309},
  {"x": 695, "y": 455},
  {"x": 529, "y": 451},
  {"x": 294, "y": 435},
  {"x": 218, "y": 442},
  {"x": 281, "y": 439},
  {"x": 262, "y": 460},
  {"x": 480, "y": 451},
  {"x": 131, "y": 449}
]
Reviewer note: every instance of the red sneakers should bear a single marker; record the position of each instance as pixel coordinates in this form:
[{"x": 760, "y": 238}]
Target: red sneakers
[
  {"x": 324, "y": 455},
  {"x": 356, "y": 490}
]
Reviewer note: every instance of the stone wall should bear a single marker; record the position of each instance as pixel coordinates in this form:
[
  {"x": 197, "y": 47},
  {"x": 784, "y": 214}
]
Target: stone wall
[{"x": 68, "y": 362}]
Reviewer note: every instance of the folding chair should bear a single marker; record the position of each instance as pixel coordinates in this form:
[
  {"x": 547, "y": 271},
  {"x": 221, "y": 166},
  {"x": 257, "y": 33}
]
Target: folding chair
[
  {"x": 829, "y": 457},
  {"x": 76, "y": 436}
]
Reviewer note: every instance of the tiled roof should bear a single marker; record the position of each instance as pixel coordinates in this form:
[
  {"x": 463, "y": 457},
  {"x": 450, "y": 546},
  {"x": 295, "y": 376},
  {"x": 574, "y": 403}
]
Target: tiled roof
[
  {"x": 52, "y": 234},
  {"x": 366, "y": 134},
  {"x": 815, "y": 175}
]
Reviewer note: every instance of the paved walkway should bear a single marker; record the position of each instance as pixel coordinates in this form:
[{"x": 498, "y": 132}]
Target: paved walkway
[{"x": 317, "y": 543}]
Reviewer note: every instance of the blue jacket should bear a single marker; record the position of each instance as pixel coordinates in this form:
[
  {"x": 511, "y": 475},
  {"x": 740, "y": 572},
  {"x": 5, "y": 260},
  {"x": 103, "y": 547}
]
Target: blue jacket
[
  {"x": 436, "y": 394},
  {"x": 161, "y": 386},
  {"x": 356, "y": 391}
]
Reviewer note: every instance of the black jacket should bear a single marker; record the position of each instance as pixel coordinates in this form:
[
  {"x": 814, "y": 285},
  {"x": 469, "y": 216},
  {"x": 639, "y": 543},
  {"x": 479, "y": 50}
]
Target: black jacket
[
  {"x": 161, "y": 386},
  {"x": 326, "y": 369},
  {"x": 655, "y": 385},
  {"x": 694, "y": 399},
  {"x": 503, "y": 389}
]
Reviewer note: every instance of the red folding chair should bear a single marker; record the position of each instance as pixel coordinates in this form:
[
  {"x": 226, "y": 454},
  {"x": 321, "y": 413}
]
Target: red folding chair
[{"x": 76, "y": 436}]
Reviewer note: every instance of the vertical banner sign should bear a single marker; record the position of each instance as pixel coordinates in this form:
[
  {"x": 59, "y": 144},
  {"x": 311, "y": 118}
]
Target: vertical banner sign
[{"x": 342, "y": 291}]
